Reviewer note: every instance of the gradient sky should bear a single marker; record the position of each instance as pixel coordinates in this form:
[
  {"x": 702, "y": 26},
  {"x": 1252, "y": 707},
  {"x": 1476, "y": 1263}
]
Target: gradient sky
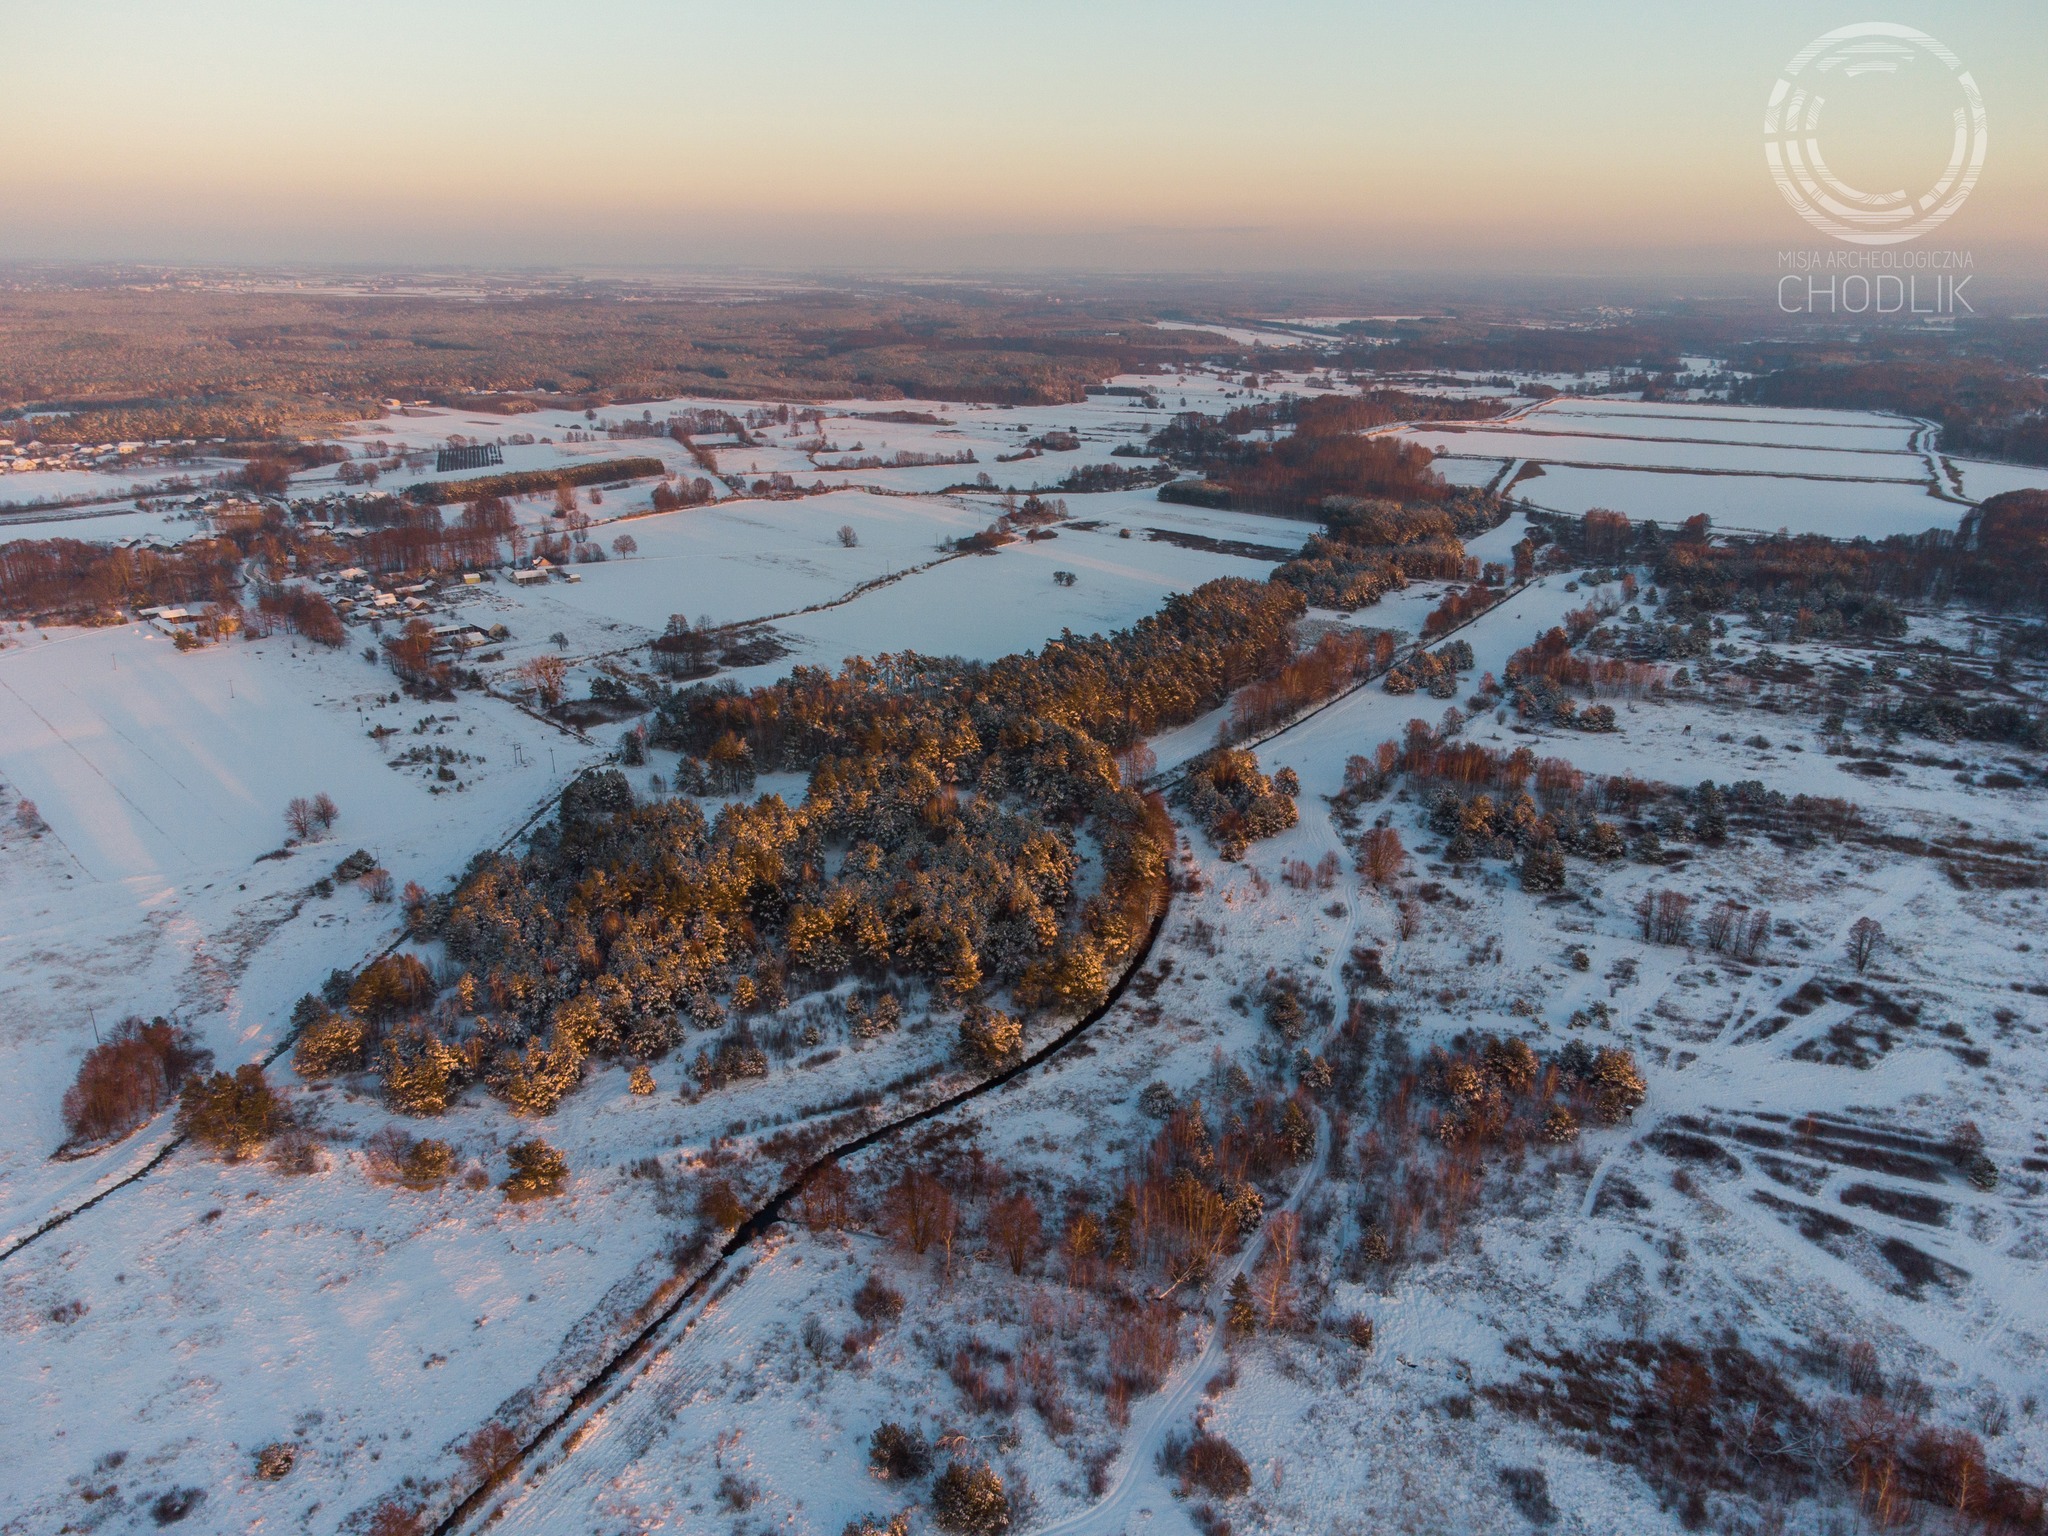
[{"x": 1138, "y": 134}]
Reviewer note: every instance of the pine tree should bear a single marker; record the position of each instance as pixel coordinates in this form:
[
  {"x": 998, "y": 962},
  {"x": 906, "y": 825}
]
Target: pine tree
[{"x": 1243, "y": 1314}]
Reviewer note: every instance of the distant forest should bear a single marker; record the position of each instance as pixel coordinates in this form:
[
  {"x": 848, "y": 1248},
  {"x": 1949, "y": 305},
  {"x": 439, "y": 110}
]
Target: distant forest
[
  {"x": 185, "y": 361},
  {"x": 193, "y": 362}
]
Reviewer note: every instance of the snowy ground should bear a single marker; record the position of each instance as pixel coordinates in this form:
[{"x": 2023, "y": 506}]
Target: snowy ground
[
  {"x": 162, "y": 778},
  {"x": 1751, "y": 468},
  {"x": 215, "y": 1309},
  {"x": 1637, "y": 1232}
]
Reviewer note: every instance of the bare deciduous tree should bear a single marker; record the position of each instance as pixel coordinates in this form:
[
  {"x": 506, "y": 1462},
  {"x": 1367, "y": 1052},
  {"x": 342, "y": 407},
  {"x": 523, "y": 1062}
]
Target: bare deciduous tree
[
  {"x": 1381, "y": 856},
  {"x": 1664, "y": 917},
  {"x": 919, "y": 1211},
  {"x": 1013, "y": 1228},
  {"x": 1866, "y": 937},
  {"x": 827, "y": 1200},
  {"x": 847, "y": 536},
  {"x": 544, "y": 674}
]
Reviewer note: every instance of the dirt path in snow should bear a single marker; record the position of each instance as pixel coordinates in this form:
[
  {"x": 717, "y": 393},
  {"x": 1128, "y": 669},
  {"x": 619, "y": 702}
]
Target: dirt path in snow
[
  {"x": 584, "y": 1420},
  {"x": 589, "y": 1421},
  {"x": 17, "y": 1241},
  {"x": 1139, "y": 1483}
]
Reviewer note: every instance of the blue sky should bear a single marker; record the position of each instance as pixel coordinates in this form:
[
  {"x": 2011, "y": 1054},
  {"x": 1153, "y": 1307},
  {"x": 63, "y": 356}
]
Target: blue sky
[{"x": 1136, "y": 134}]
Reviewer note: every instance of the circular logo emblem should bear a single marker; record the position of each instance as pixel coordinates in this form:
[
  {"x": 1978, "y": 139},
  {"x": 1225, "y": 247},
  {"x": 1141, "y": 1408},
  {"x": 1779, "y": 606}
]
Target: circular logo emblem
[{"x": 1836, "y": 64}]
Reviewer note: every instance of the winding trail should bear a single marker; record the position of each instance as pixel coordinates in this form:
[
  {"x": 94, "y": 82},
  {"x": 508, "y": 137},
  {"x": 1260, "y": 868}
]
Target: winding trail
[
  {"x": 16, "y": 1241},
  {"x": 676, "y": 1313},
  {"x": 608, "y": 1442},
  {"x": 1139, "y": 1484}
]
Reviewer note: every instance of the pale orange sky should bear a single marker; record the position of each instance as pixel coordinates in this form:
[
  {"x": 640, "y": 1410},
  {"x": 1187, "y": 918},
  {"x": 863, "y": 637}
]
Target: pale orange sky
[{"x": 1130, "y": 135}]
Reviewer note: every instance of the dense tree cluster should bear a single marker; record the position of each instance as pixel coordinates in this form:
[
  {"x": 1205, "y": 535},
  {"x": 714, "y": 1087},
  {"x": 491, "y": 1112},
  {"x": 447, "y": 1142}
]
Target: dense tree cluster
[
  {"x": 1992, "y": 558},
  {"x": 1435, "y": 672},
  {"x": 1478, "y": 1100},
  {"x": 1371, "y": 545},
  {"x": 302, "y": 611},
  {"x": 939, "y": 839},
  {"x": 1324, "y": 459},
  {"x": 1234, "y": 802},
  {"x": 1539, "y": 678},
  {"x": 1338, "y": 659},
  {"x": 72, "y": 578},
  {"x": 231, "y": 1113},
  {"x": 1696, "y": 1420}
]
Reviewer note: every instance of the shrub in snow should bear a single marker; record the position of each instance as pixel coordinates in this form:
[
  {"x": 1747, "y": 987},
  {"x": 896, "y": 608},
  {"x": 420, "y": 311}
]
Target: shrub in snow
[
  {"x": 329, "y": 1043},
  {"x": 1543, "y": 868},
  {"x": 422, "y": 1072},
  {"x": 736, "y": 1057},
  {"x": 640, "y": 1081},
  {"x": 971, "y": 1500},
  {"x": 1529, "y": 1491},
  {"x": 538, "y": 1171},
  {"x": 393, "y": 1517},
  {"x": 416, "y": 1162},
  {"x": 719, "y": 1203},
  {"x": 877, "y": 1301},
  {"x": 1284, "y": 1010},
  {"x": 898, "y": 1454},
  {"x": 990, "y": 1038},
  {"x": 295, "y": 1152},
  {"x": 1013, "y": 1228},
  {"x": 1235, "y": 803},
  {"x": 1609, "y": 1075},
  {"x": 489, "y": 1450},
  {"x": 1207, "y": 1462},
  {"x": 1381, "y": 856},
  {"x": 1242, "y": 1316},
  {"x": 390, "y": 986},
  {"x": 276, "y": 1459},
  {"x": 169, "y": 1508},
  {"x": 128, "y": 1077},
  {"x": 233, "y": 1114},
  {"x": 867, "y": 1018}
]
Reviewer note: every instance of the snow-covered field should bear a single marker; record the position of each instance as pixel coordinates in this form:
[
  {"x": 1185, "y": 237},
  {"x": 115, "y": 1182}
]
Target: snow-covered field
[
  {"x": 1983, "y": 478},
  {"x": 163, "y": 779},
  {"x": 159, "y": 1339},
  {"x": 38, "y": 487},
  {"x": 1638, "y": 1232},
  {"x": 1750, "y": 468},
  {"x": 1757, "y": 504}
]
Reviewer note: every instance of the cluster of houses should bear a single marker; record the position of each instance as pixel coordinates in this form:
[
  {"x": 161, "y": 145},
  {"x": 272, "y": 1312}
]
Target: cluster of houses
[
  {"x": 39, "y": 455},
  {"x": 355, "y": 595},
  {"x": 176, "y": 620}
]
